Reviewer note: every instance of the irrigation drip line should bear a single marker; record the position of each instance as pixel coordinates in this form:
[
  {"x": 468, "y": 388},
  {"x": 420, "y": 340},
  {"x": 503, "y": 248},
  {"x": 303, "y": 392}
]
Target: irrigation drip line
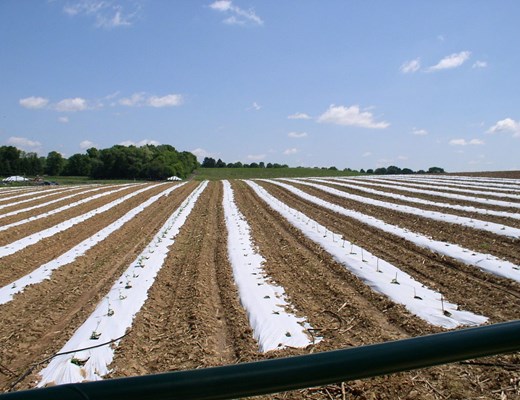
[{"x": 32, "y": 367}]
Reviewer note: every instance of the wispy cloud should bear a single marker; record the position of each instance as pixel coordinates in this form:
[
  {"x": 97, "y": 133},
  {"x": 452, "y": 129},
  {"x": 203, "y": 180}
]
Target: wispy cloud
[
  {"x": 419, "y": 132},
  {"x": 479, "y": 64},
  {"x": 34, "y": 102},
  {"x": 410, "y": 66},
  {"x": 24, "y": 143},
  {"x": 297, "y": 135},
  {"x": 201, "y": 153},
  {"x": 454, "y": 60},
  {"x": 464, "y": 142},
  {"x": 63, "y": 120},
  {"x": 290, "y": 151},
  {"x": 255, "y": 106},
  {"x": 299, "y": 115},
  {"x": 142, "y": 99},
  {"x": 236, "y": 15},
  {"x": 366, "y": 154},
  {"x": 71, "y": 105},
  {"x": 107, "y": 14},
  {"x": 351, "y": 116},
  {"x": 86, "y": 144},
  {"x": 507, "y": 125}
]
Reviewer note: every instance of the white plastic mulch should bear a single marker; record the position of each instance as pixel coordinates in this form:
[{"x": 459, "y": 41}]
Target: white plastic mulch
[
  {"x": 378, "y": 274},
  {"x": 115, "y": 314},
  {"x": 483, "y": 261},
  {"x": 57, "y": 210},
  {"x": 420, "y": 188},
  {"x": 483, "y": 211},
  {"x": 497, "y": 229},
  {"x": 47, "y": 193},
  {"x": 20, "y": 244},
  {"x": 274, "y": 327},
  {"x": 45, "y": 271}
]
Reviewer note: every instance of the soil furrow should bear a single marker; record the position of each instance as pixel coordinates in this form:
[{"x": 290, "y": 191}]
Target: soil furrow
[
  {"x": 41, "y": 210},
  {"x": 392, "y": 200},
  {"x": 472, "y": 289},
  {"x": 24, "y": 261},
  {"x": 474, "y": 239},
  {"x": 39, "y": 321},
  {"x": 21, "y": 231},
  {"x": 192, "y": 317},
  {"x": 348, "y": 312}
]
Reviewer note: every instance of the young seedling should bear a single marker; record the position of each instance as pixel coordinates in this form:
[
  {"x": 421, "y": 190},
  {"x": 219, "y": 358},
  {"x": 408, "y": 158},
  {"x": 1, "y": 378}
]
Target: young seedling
[
  {"x": 445, "y": 312},
  {"x": 76, "y": 361},
  {"x": 95, "y": 334},
  {"x": 395, "y": 281},
  {"x": 121, "y": 296},
  {"x": 110, "y": 311},
  {"x": 377, "y": 266},
  {"x": 415, "y": 295},
  {"x": 362, "y": 256},
  {"x": 352, "y": 248}
]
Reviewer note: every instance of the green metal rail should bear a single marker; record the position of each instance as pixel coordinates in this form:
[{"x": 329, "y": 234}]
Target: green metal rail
[{"x": 249, "y": 379}]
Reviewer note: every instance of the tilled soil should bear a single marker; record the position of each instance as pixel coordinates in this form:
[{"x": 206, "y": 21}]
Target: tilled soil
[
  {"x": 24, "y": 261},
  {"x": 474, "y": 239},
  {"x": 21, "y": 215},
  {"x": 479, "y": 216},
  {"x": 193, "y": 317},
  {"x": 38, "y": 322}
]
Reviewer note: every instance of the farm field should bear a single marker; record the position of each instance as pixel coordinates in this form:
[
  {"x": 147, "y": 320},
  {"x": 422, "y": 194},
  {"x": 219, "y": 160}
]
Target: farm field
[{"x": 175, "y": 276}]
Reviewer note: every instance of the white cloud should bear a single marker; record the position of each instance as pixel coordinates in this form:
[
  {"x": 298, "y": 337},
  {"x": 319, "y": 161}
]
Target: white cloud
[
  {"x": 63, "y": 120},
  {"x": 402, "y": 158},
  {"x": 24, "y": 143},
  {"x": 410, "y": 66},
  {"x": 255, "y": 106},
  {"x": 419, "y": 132},
  {"x": 256, "y": 157},
  {"x": 141, "y": 99},
  {"x": 464, "y": 142},
  {"x": 136, "y": 99},
  {"x": 86, "y": 144},
  {"x": 221, "y": 5},
  {"x": 479, "y": 64},
  {"x": 71, "y": 105},
  {"x": 297, "y": 135},
  {"x": 237, "y": 16},
  {"x": 299, "y": 115},
  {"x": 452, "y": 61},
  {"x": 507, "y": 125},
  {"x": 169, "y": 100},
  {"x": 351, "y": 116},
  {"x": 107, "y": 13},
  {"x": 34, "y": 102},
  {"x": 143, "y": 142},
  {"x": 366, "y": 154},
  {"x": 288, "y": 152}
]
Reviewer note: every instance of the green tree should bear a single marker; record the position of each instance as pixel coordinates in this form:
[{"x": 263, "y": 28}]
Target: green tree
[{"x": 54, "y": 164}]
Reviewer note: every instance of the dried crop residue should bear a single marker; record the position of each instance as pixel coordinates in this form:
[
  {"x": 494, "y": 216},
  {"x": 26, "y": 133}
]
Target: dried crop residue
[
  {"x": 39, "y": 321},
  {"x": 192, "y": 317}
]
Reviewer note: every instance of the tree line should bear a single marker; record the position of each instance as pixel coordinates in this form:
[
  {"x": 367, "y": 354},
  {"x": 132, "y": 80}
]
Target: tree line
[
  {"x": 117, "y": 162},
  {"x": 210, "y": 162}
]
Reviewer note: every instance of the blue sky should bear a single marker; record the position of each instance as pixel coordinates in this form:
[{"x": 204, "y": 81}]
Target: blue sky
[{"x": 358, "y": 84}]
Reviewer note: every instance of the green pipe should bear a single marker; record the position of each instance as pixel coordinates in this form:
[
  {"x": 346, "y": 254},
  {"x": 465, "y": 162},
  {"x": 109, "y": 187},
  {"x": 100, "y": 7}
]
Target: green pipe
[{"x": 271, "y": 376}]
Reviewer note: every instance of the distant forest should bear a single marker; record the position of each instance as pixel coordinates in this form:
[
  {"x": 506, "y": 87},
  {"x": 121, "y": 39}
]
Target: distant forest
[
  {"x": 210, "y": 162},
  {"x": 117, "y": 162},
  {"x": 131, "y": 162}
]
